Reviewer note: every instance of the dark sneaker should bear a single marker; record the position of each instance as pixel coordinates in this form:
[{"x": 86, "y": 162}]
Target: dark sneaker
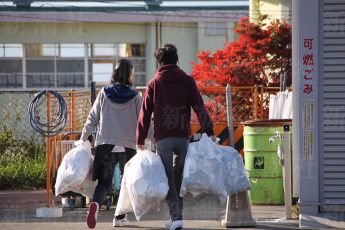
[{"x": 91, "y": 218}]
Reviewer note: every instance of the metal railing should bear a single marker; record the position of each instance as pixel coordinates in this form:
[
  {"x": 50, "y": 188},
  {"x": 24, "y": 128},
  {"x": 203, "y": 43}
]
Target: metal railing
[{"x": 248, "y": 102}]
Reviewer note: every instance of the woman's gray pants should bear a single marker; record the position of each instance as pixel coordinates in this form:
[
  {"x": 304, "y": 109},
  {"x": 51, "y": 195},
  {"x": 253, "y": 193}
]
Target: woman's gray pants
[{"x": 172, "y": 151}]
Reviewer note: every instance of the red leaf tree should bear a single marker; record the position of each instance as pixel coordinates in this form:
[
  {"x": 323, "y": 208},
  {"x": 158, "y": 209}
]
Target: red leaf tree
[{"x": 260, "y": 54}]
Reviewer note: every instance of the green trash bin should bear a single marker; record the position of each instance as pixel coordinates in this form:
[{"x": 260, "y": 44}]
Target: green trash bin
[{"x": 262, "y": 162}]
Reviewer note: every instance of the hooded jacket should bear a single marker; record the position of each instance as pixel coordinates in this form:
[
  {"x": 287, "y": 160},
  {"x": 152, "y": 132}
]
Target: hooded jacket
[
  {"x": 114, "y": 113},
  {"x": 170, "y": 96}
]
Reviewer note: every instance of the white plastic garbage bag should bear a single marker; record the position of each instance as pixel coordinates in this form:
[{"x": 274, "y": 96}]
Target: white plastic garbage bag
[
  {"x": 235, "y": 176},
  {"x": 280, "y": 106},
  {"x": 282, "y": 96},
  {"x": 144, "y": 184},
  {"x": 74, "y": 173},
  {"x": 273, "y": 107},
  {"x": 203, "y": 169},
  {"x": 287, "y": 108}
]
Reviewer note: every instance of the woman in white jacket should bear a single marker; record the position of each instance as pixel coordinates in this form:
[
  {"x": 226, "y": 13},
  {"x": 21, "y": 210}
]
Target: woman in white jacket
[{"x": 114, "y": 113}]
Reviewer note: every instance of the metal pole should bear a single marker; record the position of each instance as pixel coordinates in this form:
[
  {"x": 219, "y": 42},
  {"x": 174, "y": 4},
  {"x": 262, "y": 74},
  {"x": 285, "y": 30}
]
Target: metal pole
[
  {"x": 238, "y": 212},
  {"x": 262, "y": 102},
  {"x": 158, "y": 37},
  {"x": 282, "y": 82},
  {"x": 73, "y": 110},
  {"x": 255, "y": 102},
  {"x": 86, "y": 65},
  {"x": 230, "y": 115},
  {"x": 93, "y": 92},
  {"x": 287, "y": 173}
]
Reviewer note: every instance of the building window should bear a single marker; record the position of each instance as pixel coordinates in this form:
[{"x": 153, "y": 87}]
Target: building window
[
  {"x": 101, "y": 72},
  {"x": 40, "y": 73},
  {"x": 70, "y": 65},
  {"x": 140, "y": 71},
  {"x": 55, "y": 65},
  {"x": 40, "y": 65},
  {"x": 102, "y": 59},
  {"x": 72, "y": 50},
  {"x": 138, "y": 50},
  {"x": 11, "y": 50},
  {"x": 63, "y": 65},
  {"x": 11, "y": 73},
  {"x": 41, "y": 50},
  {"x": 70, "y": 72},
  {"x": 11, "y": 68},
  {"x": 103, "y": 50}
]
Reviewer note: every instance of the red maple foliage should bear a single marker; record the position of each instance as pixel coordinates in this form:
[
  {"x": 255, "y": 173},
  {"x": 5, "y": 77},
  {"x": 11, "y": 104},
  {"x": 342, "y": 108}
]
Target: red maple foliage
[{"x": 260, "y": 54}]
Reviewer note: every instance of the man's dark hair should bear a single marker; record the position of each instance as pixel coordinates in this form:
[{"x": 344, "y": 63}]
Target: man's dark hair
[
  {"x": 122, "y": 73},
  {"x": 166, "y": 55}
]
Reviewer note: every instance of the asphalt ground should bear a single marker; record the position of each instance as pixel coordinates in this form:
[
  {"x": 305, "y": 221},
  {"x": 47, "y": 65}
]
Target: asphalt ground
[{"x": 18, "y": 211}]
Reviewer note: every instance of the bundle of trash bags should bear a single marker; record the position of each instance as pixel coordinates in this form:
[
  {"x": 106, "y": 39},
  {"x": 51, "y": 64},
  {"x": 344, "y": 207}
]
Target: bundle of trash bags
[
  {"x": 74, "y": 173},
  {"x": 144, "y": 184},
  {"x": 212, "y": 168}
]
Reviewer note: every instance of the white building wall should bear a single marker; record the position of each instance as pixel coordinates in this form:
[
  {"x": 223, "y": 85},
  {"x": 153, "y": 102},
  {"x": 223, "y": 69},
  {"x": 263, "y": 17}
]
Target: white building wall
[
  {"x": 72, "y": 32},
  {"x": 185, "y": 37},
  {"x": 276, "y": 9},
  {"x": 190, "y": 38},
  {"x": 279, "y": 9},
  {"x": 214, "y": 42},
  {"x": 150, "y": 50}
]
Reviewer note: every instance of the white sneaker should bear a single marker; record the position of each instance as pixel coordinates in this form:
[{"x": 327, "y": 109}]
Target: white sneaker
[
  {"x": 176, "y": 225},
  {"x": 91, "y": 218},
  {"x": 168, "y": 223},
  {"x": 121, "y": 222}
]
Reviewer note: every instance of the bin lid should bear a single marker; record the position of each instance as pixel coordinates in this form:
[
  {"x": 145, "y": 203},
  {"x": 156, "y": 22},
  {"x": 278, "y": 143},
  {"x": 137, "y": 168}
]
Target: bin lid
[{"x": 268, "y": 122}]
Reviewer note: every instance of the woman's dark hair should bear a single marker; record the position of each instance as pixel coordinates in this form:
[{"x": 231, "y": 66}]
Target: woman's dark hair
[
  {"x": 166, "y": 55},
  {"x": 122, "y": 73}
]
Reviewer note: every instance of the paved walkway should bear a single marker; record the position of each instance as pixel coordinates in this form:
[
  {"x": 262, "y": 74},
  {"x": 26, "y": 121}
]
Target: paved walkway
[{"x": 17, "y": 211}]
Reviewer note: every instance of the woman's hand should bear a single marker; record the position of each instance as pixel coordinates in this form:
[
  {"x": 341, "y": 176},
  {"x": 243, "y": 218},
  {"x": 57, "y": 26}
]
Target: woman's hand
[
  {"x": 78, "y": 142},
  {"x": 140, "y": 147},
  {"x": 214, "y": 138}
]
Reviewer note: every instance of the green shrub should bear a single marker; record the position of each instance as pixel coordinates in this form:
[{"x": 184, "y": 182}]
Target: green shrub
[
  {"x": 22, "y": 163},
  {"x": 22, "y": 166},
  {"x": 23, "y": 172},
  {"x": 6, "y": 139}
]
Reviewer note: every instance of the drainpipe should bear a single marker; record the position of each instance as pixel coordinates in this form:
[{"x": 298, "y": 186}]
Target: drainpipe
[{"x": 158, "y": 36}]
